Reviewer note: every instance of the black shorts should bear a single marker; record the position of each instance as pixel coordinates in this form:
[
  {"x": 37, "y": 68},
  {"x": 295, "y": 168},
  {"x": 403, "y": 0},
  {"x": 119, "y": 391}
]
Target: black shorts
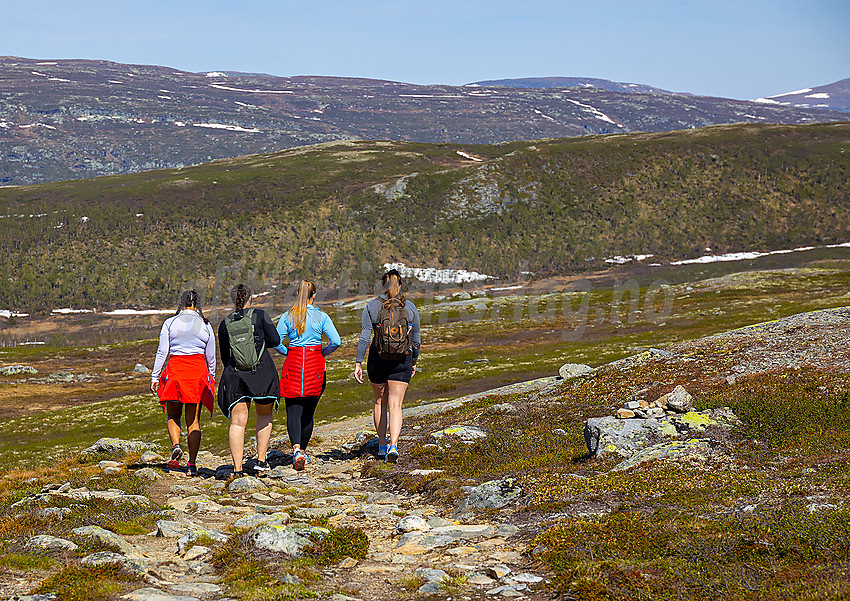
[{"x": 380, "y": 370}]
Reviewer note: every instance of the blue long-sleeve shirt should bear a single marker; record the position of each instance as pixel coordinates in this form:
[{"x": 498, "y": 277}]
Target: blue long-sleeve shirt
[{"x": 318, "y": 322}]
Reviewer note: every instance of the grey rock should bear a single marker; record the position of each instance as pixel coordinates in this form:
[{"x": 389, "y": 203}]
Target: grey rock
[
  {"x": 694, "y": 449},
  {"x": 133, "y": 566},
  {"x": 185, "y": 541},
  {"x": 151, "y": 457},
  {"x": 141, "y": 369},
  {"x": 494, "y": 494},
  {"x": 180, "y": 489},
  {"x": 509, "y": 591},
  {"x": 341, "y": 597},
  {"x": 290, "y": 579},
  {"x": 197, "y": 588},
  {"x": 111, "y": 471},
  {"x": 465, "y": 531},
  {"x": 431, "y": 575},
  {"x": 45, "y": 597},
  {"x": 195, "y": 552},
  {"x": 247, "y": 484},
  {"x": 15, "y": 370},
  {"x": 46, "y": 542},
  {"x": 501, "y": 408},
  {"x": 118, "y": 446},
  {"x": 152, "y": 594},
  {"x": 290, "y": 540},
  {"x": 104, "y": 536},
  {"x": 572, "y": 370},
  {"x": 105, "y": 464},
  {"x": 527, "y": 578},
  {"x": 171, "y": 529},
  {"x": 252, "y": 520},
  {"x": 655, "y": 412},
  {"x": 479, "y": 579},
  {"x": 559, "y": 432},
  {"x": 431, "y": 588},
  {"x": 506, "y": 530},
  {"x": 52, "y": 512},
  {"x": 498, "y": 571},
  {"x": 436, "y": 521},
  {"x": 309, "y": 513},
  {"x": 625, "y": 437},
  {"x": 416, "y": 543},
  {"x": 147, "y": 473},
  {"x": 383, "y": 498},
  {"x": 464, "y": 434},
  {"x": 678, "y": 400},
  {"x": 411, "y": 523}
]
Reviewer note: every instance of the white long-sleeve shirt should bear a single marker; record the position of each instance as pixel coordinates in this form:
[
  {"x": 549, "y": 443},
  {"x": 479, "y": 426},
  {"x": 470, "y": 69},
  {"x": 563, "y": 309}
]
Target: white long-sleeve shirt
[{"x": 184, "y": 334}]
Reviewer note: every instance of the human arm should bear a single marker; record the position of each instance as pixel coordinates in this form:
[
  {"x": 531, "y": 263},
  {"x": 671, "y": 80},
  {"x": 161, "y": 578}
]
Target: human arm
[
  {"x": 329, "y": 330},
  {"x": 415, "y": 332},
  {"x": 161, "y": 356},
  {"x": 209, "y": 350},
  {"x": 282, "y": 333},
  {"x": 224, "y": 342},
  {"x": 270, "y": 333},
  {"x": 363, "y": 342}
]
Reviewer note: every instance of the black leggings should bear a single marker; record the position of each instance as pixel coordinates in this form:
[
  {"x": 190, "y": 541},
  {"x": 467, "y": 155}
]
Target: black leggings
[{"x": 299, "y": 419}]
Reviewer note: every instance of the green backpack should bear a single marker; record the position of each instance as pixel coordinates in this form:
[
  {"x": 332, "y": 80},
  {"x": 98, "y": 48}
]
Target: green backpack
[{"x": 240, "y": 331}]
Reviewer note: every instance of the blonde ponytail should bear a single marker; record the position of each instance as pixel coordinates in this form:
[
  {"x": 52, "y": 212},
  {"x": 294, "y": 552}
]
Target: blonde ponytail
[{"x": 298, "y": 312}]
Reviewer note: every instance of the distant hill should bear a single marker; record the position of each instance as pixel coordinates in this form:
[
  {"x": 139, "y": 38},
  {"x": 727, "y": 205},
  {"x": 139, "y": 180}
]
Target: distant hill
[
  {"x": 572, "y": 82},
  {"x": 834, "y": 96},
  {"x": 71, "y": 119},
  {"x": 340, "y": 210}
]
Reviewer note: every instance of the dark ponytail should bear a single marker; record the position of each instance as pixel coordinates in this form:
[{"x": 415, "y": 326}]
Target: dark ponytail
[
  {"x": 392, "y": 283},
  {"x": 240, "y": 295},
  {"x": 191, "y": 298}
]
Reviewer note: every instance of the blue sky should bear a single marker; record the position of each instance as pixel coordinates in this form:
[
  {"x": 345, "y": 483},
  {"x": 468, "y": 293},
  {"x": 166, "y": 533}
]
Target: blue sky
[{"x": 732, "y": 48}]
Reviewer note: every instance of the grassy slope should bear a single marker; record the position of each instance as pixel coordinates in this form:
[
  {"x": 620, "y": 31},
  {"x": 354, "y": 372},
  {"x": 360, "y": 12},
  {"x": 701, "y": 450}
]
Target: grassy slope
[{"x": 550, "y": 207}]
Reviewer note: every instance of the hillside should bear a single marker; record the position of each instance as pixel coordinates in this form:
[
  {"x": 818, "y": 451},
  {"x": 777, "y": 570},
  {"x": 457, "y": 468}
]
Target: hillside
[
  {"x": 71, "y": 119},
  {"x": 834, "y": 96},
  {"x": 343, "y": 209}
]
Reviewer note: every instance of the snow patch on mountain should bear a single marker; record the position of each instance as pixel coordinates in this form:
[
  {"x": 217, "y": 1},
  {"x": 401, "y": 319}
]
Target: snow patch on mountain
[
  {"x": 251, "y": 130},
  {"x": 250, "y": 91},
  {"x": 433, "y": 275}
]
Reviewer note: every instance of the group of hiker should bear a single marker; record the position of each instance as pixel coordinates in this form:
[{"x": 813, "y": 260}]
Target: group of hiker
[{"x": 183, "y": 376}]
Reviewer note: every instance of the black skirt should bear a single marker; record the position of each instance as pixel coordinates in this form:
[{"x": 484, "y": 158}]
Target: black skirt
[{"x": 261, "y": 386}]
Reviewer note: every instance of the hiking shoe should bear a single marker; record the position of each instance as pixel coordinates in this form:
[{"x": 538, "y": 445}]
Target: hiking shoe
[
  {"x": 262, "y": 466},
  {"x": 174, "y": 461},
  {"x": 193, "y": 470},
  {"x": 392, "y": 454},
  {"x": 234, "y": 475},
  {"x": 382, "y": 451},
  {"x": 299, "y": 460}
]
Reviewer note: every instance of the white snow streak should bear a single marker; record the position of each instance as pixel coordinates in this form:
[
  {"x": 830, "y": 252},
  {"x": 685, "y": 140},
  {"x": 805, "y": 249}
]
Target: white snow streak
[
  {"x": 468, "y": 156},
  {"x": 592, "y": 110},
  {"x": 59, "y": 79},
  {"x": 741, "y": 256},
  {"x": 69, "y": 311},
  {"x": 138, "y": 312},
  {"x": 619, "y": 260},
  {"x": 45, "y": 64},
  {"x": 427, "y": 96},
  {"x": 818, "y": 95},
  {"x": 803, "y": 91},
  {"x": 7, "y": 313},
  {"x": 216, "y": 74},
  {"x": 250, "y": 130},
  {"x": 221, "y": 87}
]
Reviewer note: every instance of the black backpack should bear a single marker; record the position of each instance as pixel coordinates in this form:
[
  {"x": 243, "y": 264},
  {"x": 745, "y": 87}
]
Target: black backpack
[{"x": 392, "y": 330}]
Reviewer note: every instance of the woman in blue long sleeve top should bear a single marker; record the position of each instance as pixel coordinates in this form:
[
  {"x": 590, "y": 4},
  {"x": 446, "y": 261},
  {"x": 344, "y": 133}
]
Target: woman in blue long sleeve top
[{"x": 303, "y": 375}]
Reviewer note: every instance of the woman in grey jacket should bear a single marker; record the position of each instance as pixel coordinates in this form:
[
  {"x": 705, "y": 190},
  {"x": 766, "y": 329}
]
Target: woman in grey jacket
[{"x": 389, "y": 377}]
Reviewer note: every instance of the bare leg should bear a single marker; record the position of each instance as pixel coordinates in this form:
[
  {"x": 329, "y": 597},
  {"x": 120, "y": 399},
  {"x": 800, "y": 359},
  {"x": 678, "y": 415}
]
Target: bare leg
[
  {"x": 236, "y": 435},
  {"x": 174, "y": 412},
  {"x": 380, "y": 391},
  {"x": 396, "y": 396},
  {"x": 193, "y": 426},
  {"x": 264, "y": 429}
]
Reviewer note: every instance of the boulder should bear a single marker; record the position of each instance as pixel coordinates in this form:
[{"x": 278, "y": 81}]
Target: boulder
[
  {"x": 692, "y": 450},
  {"x": 141, "y": 369},
  {"x": 626, "y": 437},
  {"x": 118, "y": 446},
  {"x": 252, "y": 520},
  {"x": 383, "y": 498},
  {"x": 151, "y": 457},
  {"x": 501, "y": 408},
  {"x": 678, "y": 400},
  {"x": 15, "y": 370},
  {"x": 464, "y": 434},
  {"x": 572, "y": 370},
  {"x": 187, "y": 540},
  {"x": 133, "y": 566},
  {"x": 494, "y": 494},
  {"x": 152, "y": 594},
  {"x": 247, "y": 484},
  {"x": 106, "y": 537},
  {"x": 431, "y": 575},
  {"x": 45, "y": 542},
  {"x": 290, "y": 540},
  {"x": 419, "y": 543},
  {"x": 412, "y": 523}
]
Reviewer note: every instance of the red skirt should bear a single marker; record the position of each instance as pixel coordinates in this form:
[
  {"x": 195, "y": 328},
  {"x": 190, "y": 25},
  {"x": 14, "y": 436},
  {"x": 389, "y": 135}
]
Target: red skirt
[
  {"x": 186, "y": 379},
  {"x": 303, "y": 372}
]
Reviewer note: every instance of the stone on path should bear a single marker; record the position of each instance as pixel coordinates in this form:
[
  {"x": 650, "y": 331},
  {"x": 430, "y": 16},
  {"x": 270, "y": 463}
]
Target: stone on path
[
  {"x": 147, "y": 473},
  {"x": 196, "y": 552},
  {"x": 152, "y": 594},
  {"x": 185, "y": 541},
  {"x": 431, "y": 575},
  {"x": 383, "y": 498},
  {"x": 252, "y": 520},
  {"x": 479, "y": 579},
  {"x": 411, "y": 523},
  {"x": 431, "y": 588},
  {"x": 527, "y": 578},
  {"x": 247, "y": 484},
  {"x": 498, "y": 571},
  {"x": 572, "y": 370},
  {"x": 285, "y": 539},
  {"x": 151, "y": 457},
  {"x": 419, "y": 543},
  {"x": 197, "y": 588},
  {"x": 44, "y": 542},
  {"x": 133, "y": 566}
]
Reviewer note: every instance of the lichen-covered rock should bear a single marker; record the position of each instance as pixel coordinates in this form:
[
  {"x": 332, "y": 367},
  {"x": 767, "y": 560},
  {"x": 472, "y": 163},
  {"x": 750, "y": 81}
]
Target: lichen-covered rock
[
  {"x": 694, "y": 449},
  {"x": 185, "y": 541},
  {"x": 286, "y": 539},
  {"x": 625, "y": 437},
  {"x": 678, "y": 399},
  {"x": 464, "y": 434},
  {"x": 118, "y": 446},
  {"x": 494, "y": 494},
  {"x": 106, "y": 537},
  {"x": 572, "y": 370},
  {"x": 412, "y": 523},
  {"x": 247, "y": 484},
  {"x": 501, "y": 408},
  {"x": 253, "y": 520},
  {"x": 134, "y": 566},
  {"x": 16, "y": 370},
  {"x": 44, "y": 542}
]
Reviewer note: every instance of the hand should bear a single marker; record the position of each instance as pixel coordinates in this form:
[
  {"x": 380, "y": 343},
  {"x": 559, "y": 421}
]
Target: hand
[
  {"x": 358, "y": 372},
  {"x": 413, "y": 373},
  {"x": 154, "y": 387}
]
